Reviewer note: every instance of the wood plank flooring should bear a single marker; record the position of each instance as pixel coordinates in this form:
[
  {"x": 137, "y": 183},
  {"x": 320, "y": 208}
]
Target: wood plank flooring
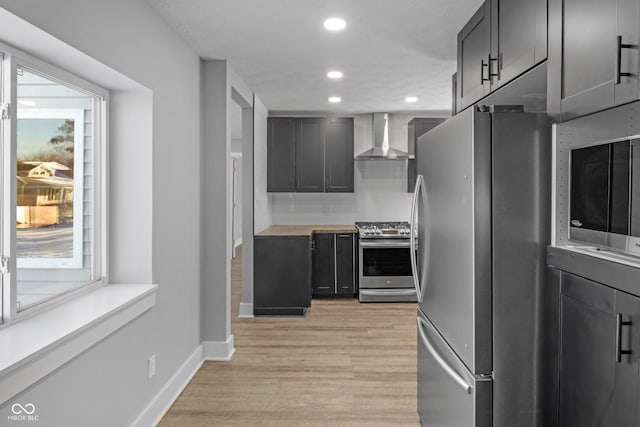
[{"x": 345, "y": 364}]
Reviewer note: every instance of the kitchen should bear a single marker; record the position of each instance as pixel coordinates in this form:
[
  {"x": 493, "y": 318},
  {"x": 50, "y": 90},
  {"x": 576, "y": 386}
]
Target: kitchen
[{"x": 196, "y": 282}]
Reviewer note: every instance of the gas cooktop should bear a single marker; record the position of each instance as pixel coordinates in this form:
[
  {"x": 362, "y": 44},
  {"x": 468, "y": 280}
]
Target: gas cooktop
[{"x": 383, "y": 230}]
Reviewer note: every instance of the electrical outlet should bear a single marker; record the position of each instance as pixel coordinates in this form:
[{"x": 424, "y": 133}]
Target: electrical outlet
[{"x": 151, "y": 364}]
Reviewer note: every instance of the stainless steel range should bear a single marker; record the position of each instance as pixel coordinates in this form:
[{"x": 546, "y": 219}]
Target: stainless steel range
[{"x": 385, "y": 262}]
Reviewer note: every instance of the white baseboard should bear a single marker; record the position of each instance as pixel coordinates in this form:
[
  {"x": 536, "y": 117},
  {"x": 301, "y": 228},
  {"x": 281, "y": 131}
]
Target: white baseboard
[
  {"x": 237, "y": 243},
  {"x": 218, "y": 350},
  {"x": 160, "y": 404},
  {"x": 246, "y": 309}
]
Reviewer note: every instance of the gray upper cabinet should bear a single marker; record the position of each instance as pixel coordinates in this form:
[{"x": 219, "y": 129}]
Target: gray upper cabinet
[
  {"x": 519, "y": 40},
  {"x": 416, "y": 128},
  {"x": 502, "y": 40},
  {"x": 474, "y": 43},
  {"x": 310, "y": 154},
  {"x": 593, "y": 55},
  {"x": 338, "y": 157},
  {"x": 281, "y": 137}
]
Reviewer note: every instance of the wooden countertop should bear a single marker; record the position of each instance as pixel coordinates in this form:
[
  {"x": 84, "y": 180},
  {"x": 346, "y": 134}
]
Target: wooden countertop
[{"x": 305, "y": 230}]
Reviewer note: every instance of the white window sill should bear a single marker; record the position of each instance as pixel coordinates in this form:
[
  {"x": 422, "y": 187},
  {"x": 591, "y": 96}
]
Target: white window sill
[{"x": 37, "y": 345}]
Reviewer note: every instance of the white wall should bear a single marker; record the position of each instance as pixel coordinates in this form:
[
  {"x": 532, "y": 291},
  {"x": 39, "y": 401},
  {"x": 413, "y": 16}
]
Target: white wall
[
  {"x": 380, "y": 186},
  {"x": 222, "y": 88},
  {"x": 156, "y": 234}
]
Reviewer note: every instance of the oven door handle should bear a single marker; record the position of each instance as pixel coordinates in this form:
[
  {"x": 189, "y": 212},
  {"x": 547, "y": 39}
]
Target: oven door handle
[
  {"x": 384, "y": 243},
  {"x": 419, "y": 189}
]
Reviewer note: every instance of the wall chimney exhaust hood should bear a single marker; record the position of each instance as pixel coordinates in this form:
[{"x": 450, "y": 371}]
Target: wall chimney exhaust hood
[{"x": 381, "y": 149}]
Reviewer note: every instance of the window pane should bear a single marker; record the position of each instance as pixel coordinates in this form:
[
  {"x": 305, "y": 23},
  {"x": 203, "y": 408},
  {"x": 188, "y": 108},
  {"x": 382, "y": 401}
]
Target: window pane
[
  {"x": 4, "y": 163},
  {"x": 55, "y": 193}
]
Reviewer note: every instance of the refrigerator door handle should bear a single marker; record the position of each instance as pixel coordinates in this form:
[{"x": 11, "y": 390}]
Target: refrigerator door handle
[
  {"x": 388, "y": 292},
  {"x": 412, "y": 237},
  {"x": 443, "y": 364}
]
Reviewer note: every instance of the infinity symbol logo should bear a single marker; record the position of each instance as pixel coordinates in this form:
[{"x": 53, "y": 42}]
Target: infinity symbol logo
[{"x": 18, "y": 409}]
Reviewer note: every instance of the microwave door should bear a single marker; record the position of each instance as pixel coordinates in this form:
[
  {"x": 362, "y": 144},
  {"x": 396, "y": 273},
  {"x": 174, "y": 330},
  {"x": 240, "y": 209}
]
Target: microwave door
[
  {"x": 620, "y": 186},
  {"x": 635, "y": 189},
  {"x": 600, "y": 205}
]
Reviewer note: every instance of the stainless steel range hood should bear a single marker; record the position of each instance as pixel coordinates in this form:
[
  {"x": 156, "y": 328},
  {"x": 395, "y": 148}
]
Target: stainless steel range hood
[{"x": 381, "y": 149}]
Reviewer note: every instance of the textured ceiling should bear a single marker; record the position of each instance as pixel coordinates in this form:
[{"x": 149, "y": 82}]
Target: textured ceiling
[{"x": 390, "y": 49}]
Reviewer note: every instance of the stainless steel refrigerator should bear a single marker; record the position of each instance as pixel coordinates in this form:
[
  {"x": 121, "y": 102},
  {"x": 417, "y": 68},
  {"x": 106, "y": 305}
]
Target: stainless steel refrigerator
[{"x": 480, "y": 225}]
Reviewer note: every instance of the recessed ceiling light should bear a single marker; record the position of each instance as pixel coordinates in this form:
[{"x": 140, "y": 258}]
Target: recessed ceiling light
[
  {"x": 334, "y": 74},
  {"x": 411, "y": 99},
  {"x": 27, "y": 103},
  {"x": 335, "y": 99},
  {"x": 335, "y": 24}
]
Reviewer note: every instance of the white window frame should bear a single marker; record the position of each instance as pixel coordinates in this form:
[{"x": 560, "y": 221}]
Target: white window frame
[{"x": 11, "y": 60}]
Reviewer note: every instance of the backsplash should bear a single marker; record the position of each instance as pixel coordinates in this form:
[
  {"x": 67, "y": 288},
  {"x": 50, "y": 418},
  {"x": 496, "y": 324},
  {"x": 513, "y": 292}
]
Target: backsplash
[{"x": 380, "y": 195}]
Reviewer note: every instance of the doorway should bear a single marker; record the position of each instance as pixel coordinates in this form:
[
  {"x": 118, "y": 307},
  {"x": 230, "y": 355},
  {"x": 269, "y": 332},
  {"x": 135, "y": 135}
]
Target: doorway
[
  {"x": 241, "y": 115},
  {"x": 236, "y": 178}
]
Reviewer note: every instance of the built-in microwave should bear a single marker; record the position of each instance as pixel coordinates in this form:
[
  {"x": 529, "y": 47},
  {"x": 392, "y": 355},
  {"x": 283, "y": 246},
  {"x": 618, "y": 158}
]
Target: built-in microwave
[{"x": 604, "y": 194}]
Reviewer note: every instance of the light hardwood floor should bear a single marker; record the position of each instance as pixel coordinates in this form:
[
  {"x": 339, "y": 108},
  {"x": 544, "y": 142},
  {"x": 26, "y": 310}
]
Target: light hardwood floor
[{"x": 345, "y": 364}]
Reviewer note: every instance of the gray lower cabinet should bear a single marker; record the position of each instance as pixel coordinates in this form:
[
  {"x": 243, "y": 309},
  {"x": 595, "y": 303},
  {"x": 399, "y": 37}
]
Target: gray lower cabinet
[
  {"x": 323, "y": 265},
  {"x": 310, "y": 154},
  {"x": 345, "y": 265},
  {"x": 594, "y": 69},
  {"x": 282, "y": 273},
  {"x": 333, "y": 271},
  {"x": 599, "y": 359}
]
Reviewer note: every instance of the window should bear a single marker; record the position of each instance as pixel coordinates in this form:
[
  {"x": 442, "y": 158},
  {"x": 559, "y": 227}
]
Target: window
[{"x": 52, "y": 139}]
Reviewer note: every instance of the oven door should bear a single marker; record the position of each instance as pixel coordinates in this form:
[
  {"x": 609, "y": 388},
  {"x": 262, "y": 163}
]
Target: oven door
[{"x": 385, "y": 263}]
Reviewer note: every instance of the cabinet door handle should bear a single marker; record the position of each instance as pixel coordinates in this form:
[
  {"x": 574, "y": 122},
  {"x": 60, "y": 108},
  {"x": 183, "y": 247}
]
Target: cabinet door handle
[
  {"x": 482, "y": 67},
  {"x": 489, "y": 73},
  {"x": 621, "y": 46},
  {"x": 619, "y": 324}
]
